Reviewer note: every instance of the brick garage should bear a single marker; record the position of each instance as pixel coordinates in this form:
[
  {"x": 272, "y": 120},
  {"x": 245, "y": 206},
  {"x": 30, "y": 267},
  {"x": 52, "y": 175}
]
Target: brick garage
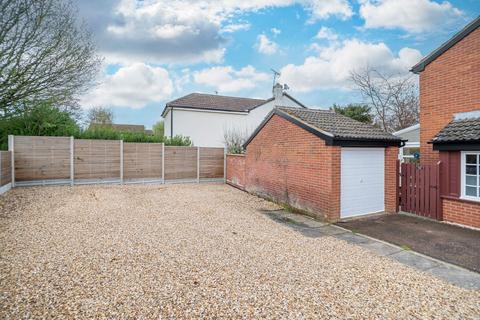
[
  {"x": 450, "y": 122},
  {"x": 295, "y": 157}
]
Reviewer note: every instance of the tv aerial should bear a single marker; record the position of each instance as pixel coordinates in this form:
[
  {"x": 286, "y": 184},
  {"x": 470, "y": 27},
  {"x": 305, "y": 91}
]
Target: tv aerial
[{"x": 276, "y": 74}]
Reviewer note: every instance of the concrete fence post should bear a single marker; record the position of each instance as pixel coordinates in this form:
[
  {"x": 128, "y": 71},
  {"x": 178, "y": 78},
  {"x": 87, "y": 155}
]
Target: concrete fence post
[
  {"x": 11, "y": 148},
  {"x": 225, "y": 165},
  {"x": 72, "y": 162},
  {"x": 198, "y": 164},
  {"x": 163, "y": 162},
  {"x": 121, "y": 161}
]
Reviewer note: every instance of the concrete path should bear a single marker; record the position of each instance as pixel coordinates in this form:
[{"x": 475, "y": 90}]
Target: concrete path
[{"x": 313, "y": 228}]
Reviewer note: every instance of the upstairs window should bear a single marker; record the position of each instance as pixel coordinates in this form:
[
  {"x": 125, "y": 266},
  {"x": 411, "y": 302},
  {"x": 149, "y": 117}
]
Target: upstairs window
[{"x": 471, "y": 175}]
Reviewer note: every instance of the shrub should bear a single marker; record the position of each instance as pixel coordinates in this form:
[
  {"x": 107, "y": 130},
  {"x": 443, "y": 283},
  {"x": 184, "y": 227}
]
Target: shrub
[
  {"x": 234, "y": 140},
  {"x": 112, "y": 134},
  {"x": 42, "y": 120}
]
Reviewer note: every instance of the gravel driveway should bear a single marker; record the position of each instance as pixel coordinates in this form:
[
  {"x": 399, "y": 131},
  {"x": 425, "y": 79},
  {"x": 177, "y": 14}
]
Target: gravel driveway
[{"x": 184, "y": 251}]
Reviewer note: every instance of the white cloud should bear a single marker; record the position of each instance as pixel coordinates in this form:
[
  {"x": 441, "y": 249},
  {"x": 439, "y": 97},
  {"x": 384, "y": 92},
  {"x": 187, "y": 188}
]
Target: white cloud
[
  {"x": 230, "y": 28},
  {"x": 326, "y": 33},
  {"x": 265, "y": 45},
  {"x": 332, "y": 67},
  {"x": 414, "y": 16},
  {"x": 227, "y": 79},
  {"x": 180, "y": 31},
  {"x": 132, "y": 86},
  {"x": 276, "y": 31},
  {"x": 323, "y": 9}
]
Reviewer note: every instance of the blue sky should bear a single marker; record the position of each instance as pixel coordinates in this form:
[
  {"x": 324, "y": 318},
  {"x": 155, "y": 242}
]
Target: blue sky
[{"x": 156, "y": 51}]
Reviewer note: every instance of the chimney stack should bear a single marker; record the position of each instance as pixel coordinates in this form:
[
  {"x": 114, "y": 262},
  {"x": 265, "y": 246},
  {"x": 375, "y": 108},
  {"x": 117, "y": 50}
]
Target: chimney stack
[{"x": 277, "y": 91}]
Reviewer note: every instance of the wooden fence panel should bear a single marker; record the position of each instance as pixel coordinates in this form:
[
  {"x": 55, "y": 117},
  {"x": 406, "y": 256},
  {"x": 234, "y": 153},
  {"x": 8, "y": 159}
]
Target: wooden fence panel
[
  {"x": 96, "y": 159},
  {"x": 142, "y": 160},
  {"x": 41, "y": 158},
  {"x": 211, "y": 163},
  {"x": 5, "y": 168},
  {"x": 180, "y": 163}
]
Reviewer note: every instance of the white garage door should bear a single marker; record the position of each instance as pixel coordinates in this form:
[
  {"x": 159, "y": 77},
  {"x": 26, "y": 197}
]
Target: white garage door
[{"x": 362, "y": 181}]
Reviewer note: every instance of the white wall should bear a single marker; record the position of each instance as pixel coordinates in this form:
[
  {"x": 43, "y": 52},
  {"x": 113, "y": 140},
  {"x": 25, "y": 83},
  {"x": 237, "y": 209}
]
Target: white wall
[
  {"x": 256, "y": 116},
  {"x": 167, "y": 124},
  {"x": 207, "y": 128}
]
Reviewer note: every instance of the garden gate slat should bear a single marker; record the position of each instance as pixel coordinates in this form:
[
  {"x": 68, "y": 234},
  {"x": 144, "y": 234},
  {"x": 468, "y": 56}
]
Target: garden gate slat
[{"x": 420, "y": 190}]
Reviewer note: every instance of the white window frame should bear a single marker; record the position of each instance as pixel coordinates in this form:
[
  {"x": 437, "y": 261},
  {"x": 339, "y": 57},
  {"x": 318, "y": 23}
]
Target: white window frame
[{"x": 463, "y": 174}]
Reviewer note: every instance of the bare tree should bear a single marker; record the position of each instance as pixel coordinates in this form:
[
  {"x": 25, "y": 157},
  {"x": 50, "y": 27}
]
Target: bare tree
[
  {"x": 393, "y": 99},
  {"x": 99, "y": 115},
  {"x": 45, "y": 54}
]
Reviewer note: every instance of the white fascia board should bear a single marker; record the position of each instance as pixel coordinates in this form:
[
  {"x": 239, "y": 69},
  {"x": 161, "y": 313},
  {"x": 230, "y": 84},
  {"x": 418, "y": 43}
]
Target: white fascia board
[{"x": 412, "y": 144}]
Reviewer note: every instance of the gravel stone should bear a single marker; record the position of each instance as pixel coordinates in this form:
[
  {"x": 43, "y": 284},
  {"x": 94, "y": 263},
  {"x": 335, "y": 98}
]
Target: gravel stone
[{"x": 194, "y": 251}]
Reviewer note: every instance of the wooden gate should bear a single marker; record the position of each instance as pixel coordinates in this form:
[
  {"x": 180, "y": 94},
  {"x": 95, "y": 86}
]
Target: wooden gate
[{"x": 420, "y": 190}]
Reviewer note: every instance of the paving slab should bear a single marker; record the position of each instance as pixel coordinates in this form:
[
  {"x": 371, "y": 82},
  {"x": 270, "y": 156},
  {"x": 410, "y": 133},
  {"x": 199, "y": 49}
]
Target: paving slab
[
  {"x": 332, "y": 230},
  {"x": 414, "y": 260},
  {"x": 352, "y": 238},
  {"x": 381, "y": 248},
  {"x": 458, "y": 276},
  {"x": 310, "y": 232},
  {"x": 310, "y": 222}
]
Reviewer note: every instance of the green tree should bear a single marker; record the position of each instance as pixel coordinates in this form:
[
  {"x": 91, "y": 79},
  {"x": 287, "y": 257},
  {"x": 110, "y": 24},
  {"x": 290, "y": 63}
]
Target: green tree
[
  {"x": 359, "y": 112},
  {"x": 100, "y": 115},
  {"x": 42, "y": 120},
  {"x": 159, "y": 128}
]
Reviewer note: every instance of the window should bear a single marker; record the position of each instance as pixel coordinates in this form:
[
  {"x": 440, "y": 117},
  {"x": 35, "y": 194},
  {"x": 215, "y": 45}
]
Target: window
[{"x": 471, "y": 175}]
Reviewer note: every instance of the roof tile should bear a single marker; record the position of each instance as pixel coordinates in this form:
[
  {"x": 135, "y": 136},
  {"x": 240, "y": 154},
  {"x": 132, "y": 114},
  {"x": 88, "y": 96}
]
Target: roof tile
[
  {"x": 215, "y": 102},
  {"x": 340, "y": 126},
  {"x": 462, "y": 130}
]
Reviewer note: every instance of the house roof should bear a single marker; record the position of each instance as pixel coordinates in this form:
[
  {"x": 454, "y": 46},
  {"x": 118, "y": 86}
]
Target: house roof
[
  {"x": 204, "y": 101},
  {"x": 460, "y": 130},
  {"x": 469, "y": 28},
  {"x": 334, "y": 128}
]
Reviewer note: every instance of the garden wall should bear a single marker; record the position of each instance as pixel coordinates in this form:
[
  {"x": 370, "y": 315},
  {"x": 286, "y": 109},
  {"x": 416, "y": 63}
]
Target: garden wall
[
  {"x": 236, "y": 170},
  {"x": 62, "y": 160}
]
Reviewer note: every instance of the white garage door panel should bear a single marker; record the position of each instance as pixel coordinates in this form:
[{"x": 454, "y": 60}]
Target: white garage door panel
[{"x": 362, "y": 181}]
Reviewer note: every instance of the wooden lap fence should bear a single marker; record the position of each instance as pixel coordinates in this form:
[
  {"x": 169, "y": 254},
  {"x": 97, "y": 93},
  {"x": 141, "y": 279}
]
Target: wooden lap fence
[
  {"x": 65, "y": 160},
  {"x": 5, "y": 171}
]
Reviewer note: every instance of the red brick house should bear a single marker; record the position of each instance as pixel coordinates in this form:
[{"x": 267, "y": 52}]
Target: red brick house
[
  {"x": 450, "y": 122},
  {"x": 321, "y": 162}
]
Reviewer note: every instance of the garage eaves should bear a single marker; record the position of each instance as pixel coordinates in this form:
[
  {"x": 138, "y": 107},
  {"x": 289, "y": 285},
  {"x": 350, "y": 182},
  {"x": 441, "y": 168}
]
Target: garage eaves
[{"x": 333, "y": 128}]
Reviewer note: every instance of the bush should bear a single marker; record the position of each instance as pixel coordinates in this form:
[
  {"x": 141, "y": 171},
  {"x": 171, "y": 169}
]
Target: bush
[
  {"x": 47, "y": 120},
  {"x": 112, "y": 134},
  {"x": 42, "y": 120}
]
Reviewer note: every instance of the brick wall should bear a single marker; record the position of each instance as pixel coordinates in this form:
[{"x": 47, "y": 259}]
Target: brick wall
[
  {"x": 391, "y": 179},
  {"x": 461, "y": 212},
  {"x": 450, "y": 84},
  {"x": 290, "y": 165},
  {"x": 236, "y": 170}
]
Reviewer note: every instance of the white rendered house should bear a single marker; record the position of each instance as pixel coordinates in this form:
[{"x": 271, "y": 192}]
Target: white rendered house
[{"x": 206, "y": 117}]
